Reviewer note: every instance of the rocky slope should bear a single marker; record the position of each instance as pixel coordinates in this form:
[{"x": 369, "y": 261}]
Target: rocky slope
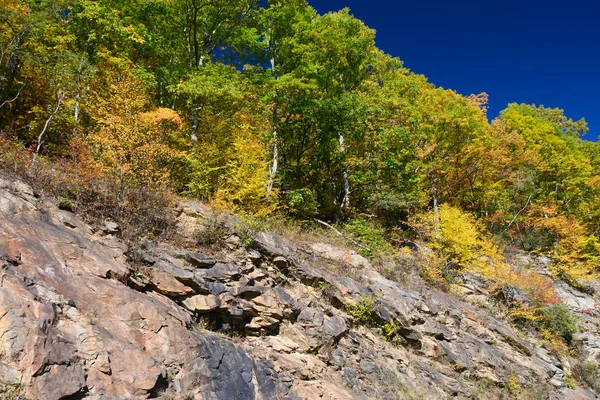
[{"x": 83, "y": 316}]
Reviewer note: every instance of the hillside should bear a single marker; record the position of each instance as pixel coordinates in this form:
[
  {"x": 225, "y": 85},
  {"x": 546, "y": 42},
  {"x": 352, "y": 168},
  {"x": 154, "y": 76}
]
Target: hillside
[
  {"x": 248, "y": 199},
  {"x": 86, "y": 316}
]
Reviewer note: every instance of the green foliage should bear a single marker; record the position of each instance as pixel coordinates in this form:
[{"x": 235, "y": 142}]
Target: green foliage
[
  {"x": 258, "y": 105},
  {"x": 587, "y": 374},
  {"x": 363, "y": 311},
  {"x": 64, "y": 204},
  {"x": 390, "y": 332},
  {"x": 213, "y": 230},
  {"x": 247, "y": 227},
  {"x": 302, "y": 203},
  {"x": 11, "y": 392},
  {"x": 372, "y": 237},
  {"x": 559, "y": 320},
  {"x": 538, "y": 240}
]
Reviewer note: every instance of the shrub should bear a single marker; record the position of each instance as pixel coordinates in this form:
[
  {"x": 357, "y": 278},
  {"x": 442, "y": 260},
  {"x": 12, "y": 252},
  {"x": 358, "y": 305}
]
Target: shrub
[
  {"x": 574, "y": 249},
  {"x": 64, "y": 204},
  {"x": 390, "y": 206},
  {"x": 588, "y": 374},
  {"x": 213, "y": 231},
  {"x": 459, "y": 239},
  {"x": 364, "y": 310},
  {"x": 13, "y": 157},
  {"x": 371, "y": 236},
  {"x": 559, "y": 320},
  {"x": 247, "y": 227},
  {"x": 11, "y": 392},
  {"x": 537, "y": 240}
]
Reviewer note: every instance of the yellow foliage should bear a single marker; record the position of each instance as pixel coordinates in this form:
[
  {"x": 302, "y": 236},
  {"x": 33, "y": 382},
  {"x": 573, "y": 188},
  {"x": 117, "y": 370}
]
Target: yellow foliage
[
  {"x": 132, "y": 142},
  {"x": 244, "y": 185},
  {"x": 513, "y": 385},
  {"x": 461, "y": 239},
  {"x": 576, "y": 252},
  {"x": 460, "y": 244},
  {"x": 556, "y": 343}
]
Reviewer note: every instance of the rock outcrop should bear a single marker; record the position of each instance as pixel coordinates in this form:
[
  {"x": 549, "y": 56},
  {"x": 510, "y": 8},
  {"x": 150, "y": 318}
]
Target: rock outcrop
[{"x": 83, "y": 316}]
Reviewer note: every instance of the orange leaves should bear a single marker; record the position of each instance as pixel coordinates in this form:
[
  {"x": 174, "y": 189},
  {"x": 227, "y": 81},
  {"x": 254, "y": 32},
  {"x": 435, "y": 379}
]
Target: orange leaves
[
  {"x": 479, "y": 101},
  {"x": 13, "y": 6},
  {"x": 161, "y": 116},
  {"x": 573, "y": 248}
]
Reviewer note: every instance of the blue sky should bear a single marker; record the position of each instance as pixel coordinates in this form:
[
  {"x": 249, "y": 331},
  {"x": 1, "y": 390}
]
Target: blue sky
[{"x": 517, "y": 51}]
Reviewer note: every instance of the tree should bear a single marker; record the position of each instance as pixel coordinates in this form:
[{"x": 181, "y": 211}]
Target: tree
[{"x": 133, "y": 141}]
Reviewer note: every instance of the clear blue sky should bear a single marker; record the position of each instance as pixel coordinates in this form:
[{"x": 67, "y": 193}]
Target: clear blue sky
[{"x": 536, "y": 52}]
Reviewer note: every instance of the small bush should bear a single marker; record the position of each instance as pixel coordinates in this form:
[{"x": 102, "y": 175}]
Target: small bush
[
  {"x": 390, "y": 206},
  {"x": 65, "y": 204},
  {"x": 364, "y": 311},
  {"x": 537, "y": 240},
  {"x": 212, "y": 232},
  {"x": 588, "y": 374},
  {"x": 559, "y": 320},
  {"x": 371, "y": 236},
  {"x": 11, "y": 392},
  {"x": 247, "y": 227}
]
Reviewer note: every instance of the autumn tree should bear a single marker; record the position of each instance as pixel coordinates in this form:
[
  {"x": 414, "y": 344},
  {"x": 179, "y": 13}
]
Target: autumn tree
[{"x": 133, "y": 141}]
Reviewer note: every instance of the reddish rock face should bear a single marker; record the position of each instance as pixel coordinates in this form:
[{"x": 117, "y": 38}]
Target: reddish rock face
[
  {"x": 69, "y": 326},
  {"x": 77, "y": 321}
]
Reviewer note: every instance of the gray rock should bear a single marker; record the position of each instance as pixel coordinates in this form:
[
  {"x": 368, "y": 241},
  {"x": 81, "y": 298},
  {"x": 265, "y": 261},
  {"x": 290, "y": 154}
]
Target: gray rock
[
  {"x": 60, "y": 381},
  {"x": 280, "y": 262},
  {"x": 216, "y": 288},
  {"x": 271, "y": 245},
  {"x": 337, "y": 358},
  {"x": 350, "y": 376},
  {"x": 334, "y": 327},
  {"x": 221, "y": 272},
  {"x": 202, "y": 304},
  {"x": 222, "y": 371},
  {"x": 254, "y": 256},
  {"x": 368, "y": 367},
  {"x": 248, "y": 292},
  {"x": 200, "y": 260}
]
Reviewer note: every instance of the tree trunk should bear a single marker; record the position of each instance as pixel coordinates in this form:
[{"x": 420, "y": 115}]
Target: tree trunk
[
  {"x": 434, "y": 196},
  {"x": 275, "y": 162},
  {"x": 41, "y": 135},
  {"x": 346, "y": 193}
]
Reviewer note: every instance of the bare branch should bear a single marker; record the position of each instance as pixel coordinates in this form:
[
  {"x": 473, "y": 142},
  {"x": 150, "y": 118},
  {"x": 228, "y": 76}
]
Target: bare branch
[
  {"x": 59, "y": 99},
  {"x": 15, "y": 98},
  {"x": 362, "y": 246},
  {"x": 517, "y": 214}
]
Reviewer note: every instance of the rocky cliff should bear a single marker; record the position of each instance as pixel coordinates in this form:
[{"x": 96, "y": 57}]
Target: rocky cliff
[{"x": 84, "y": 316}]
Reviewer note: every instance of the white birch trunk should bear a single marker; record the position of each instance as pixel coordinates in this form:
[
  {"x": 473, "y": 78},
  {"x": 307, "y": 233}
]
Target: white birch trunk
[
  {"x": 41, "y": 135},
  {"x": 346, "y": 196}
]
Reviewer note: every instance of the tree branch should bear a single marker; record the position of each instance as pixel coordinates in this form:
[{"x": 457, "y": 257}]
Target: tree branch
[
  {"x": 517, "y": 214},
  {"x": 41, "y": 136},
  {"x": 362, "y": 246},
  {"x": 15, "y": 98}
]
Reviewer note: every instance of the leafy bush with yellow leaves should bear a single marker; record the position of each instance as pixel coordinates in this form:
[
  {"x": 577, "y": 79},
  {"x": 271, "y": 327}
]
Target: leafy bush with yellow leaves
[
  {"x": 575, "y": 251},
  {"x": 459, "y": 241},
  {"x": 460, "y": 244},
  {"x": 244, "y": 184}
]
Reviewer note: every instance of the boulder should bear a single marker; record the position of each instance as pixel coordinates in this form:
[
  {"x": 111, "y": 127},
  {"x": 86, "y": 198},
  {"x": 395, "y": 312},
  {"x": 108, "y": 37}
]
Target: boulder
[{"x": 202, "y": 304}]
